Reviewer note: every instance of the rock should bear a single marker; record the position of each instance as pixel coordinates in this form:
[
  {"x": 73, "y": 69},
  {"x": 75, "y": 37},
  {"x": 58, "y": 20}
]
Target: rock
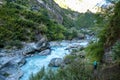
[
  {"x": 81, "y": 36},
  {"x": 75, "y": 47},
  {"x": 67, "y": 61},
  {"x": 56, "y": 62},
  {"x": 16, "y": 60},
  {"x": 19, "y": 60},
  {"x": 108, "y": 57},
  {"x": 2, "y": 77},
  {"x": 42, "y": 44},
  {"x": 10, "y": 67},
  {"x": 15, "y": 76},
  {"x": 4, "y": 61},
  {"x": 11, "y": 71},
  {"x": 45, "y": 52},
  {"x": 30, "y": 48},
  {"x": 110, "y": 72},
  {"x": 2, "y": 54}
]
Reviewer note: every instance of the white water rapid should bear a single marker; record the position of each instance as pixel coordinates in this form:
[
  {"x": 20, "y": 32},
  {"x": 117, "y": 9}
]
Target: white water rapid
[{"x": 36, "y": 62}]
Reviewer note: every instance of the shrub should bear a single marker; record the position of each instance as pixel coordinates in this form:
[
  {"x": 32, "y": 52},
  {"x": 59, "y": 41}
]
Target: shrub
[
  {"x": 95, "y": 51},
  {"x": 116, "y": 51},
  {"x": 39, "y": 75},
  {"x": 74, "y": 71}
]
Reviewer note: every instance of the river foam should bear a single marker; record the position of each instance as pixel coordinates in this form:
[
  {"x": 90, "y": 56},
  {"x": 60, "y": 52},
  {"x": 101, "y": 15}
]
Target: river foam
[{"x": 58, "y": 50}]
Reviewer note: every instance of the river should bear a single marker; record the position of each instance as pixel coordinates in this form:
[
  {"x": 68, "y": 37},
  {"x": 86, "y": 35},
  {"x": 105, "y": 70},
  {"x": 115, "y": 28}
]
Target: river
[{"x": 58, "y": 50}]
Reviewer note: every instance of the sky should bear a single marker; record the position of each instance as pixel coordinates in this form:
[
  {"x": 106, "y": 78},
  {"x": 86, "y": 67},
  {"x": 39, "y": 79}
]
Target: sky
[{"x": 80, "y": 5}]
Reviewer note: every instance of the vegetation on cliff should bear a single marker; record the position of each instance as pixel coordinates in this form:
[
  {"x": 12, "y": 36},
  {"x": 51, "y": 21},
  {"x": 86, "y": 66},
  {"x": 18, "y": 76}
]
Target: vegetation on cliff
[{"x": 20, "y": 23}]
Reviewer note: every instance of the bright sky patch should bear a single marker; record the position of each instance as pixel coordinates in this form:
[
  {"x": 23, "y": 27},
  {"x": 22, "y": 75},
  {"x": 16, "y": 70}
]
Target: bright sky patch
[{"x": 80, "y": 5}]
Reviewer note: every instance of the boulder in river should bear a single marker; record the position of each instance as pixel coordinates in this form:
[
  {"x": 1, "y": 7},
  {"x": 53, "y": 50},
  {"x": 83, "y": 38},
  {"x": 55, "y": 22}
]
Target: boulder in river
[
  {"x": 42, "y": 44},
  {"x": 10, "y": 67},
  {"x": 4, "y": 61},
  {"x": 45, "y": 52},
  {"x": 81, "y": 36},
  {"x": 30, "y": 48},
  {"x": 2, "y": 77},
  {"x": 15, "y": 76},
  {"x": 11, "y": 72},
  {"x": 56, "y": 62},
  {"x": 18, "y": 60}
]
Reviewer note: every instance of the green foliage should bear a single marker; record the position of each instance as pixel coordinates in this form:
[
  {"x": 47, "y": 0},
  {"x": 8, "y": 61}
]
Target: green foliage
[
  {"x": 39, "y": 75},
  {"x": 18, "y": 23},
  {"x": 67, "y": 22},
  {"x": 6, "y": 74},
  {"x": 14, "y": 27},
  {"x": 111, "y": 33},
  {"x": 70, "y": 34},
  {"x": 113, "y": 1},
  {"x": 56, "y": 32},
  {"x": 15, "y": 44},
  {"x": 86, "y": 20},
  {"x": 116, "y": 51},
  {"x": 69, "y": 59},
  {"x": 21, "y": 2},
  {"x": 95, "y": 51},
  {"x": 74, "y": 71},
  {"x": 107, "y": 36}
]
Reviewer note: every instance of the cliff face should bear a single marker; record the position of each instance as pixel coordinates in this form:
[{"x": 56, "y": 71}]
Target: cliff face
[
  {"x": 57, "y": 13},
  {"x": 54, "y": 11}
]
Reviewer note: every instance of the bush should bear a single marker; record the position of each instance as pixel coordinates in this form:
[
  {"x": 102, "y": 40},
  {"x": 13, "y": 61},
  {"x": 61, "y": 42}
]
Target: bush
[
  {"x": 95, "y": 51},
  {"x": 74, "y": 71},
  {"x": 39, "y": 75},
  {"x": 17, "y": 23},
  {"x": 69, "y": 59},
  {"x": 116, "y": 51},
  {"x": 16, "y": 43}
]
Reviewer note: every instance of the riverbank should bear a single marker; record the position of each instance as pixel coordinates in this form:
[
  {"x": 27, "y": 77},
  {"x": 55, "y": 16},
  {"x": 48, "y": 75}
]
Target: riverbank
[
  {"x": 59, "y": 49},
  {"x": 13, "y": 62}
]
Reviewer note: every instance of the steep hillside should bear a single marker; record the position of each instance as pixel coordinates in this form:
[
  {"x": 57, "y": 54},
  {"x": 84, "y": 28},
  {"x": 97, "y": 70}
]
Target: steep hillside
[
  {"x": 29, "y": 20},
  {"x": 107, "y": 47}
]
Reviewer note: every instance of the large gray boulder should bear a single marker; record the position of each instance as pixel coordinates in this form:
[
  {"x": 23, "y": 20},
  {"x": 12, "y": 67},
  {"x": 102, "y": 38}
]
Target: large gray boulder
[
  {"x": 2, "y": 77},
  {"x": 45, "y": 52},
  {"x": 10, "y": 67},
  {"x": 4, "y": 61},
  {"x": 56, "y": 62},
  {"x": 15, "y": 76},
  {"x": 30, "y": 48},
  {"x": 18, "y": 60},
  {"x": 81, "y": 36},
  {"x": 42, "y": 44},
  {"x": 11, "y": 72}
]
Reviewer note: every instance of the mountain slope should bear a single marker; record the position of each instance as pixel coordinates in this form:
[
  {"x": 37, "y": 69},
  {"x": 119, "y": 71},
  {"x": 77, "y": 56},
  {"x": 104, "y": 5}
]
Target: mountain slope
[{"x": 28, "y": 20}]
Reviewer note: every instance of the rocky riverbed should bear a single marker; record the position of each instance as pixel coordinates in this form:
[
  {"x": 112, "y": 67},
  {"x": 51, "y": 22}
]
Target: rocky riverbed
[
  {"x": 12, "y": 60},
  {"x": 59, "y": 50},
  {"x": 23, "y": 62}
]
